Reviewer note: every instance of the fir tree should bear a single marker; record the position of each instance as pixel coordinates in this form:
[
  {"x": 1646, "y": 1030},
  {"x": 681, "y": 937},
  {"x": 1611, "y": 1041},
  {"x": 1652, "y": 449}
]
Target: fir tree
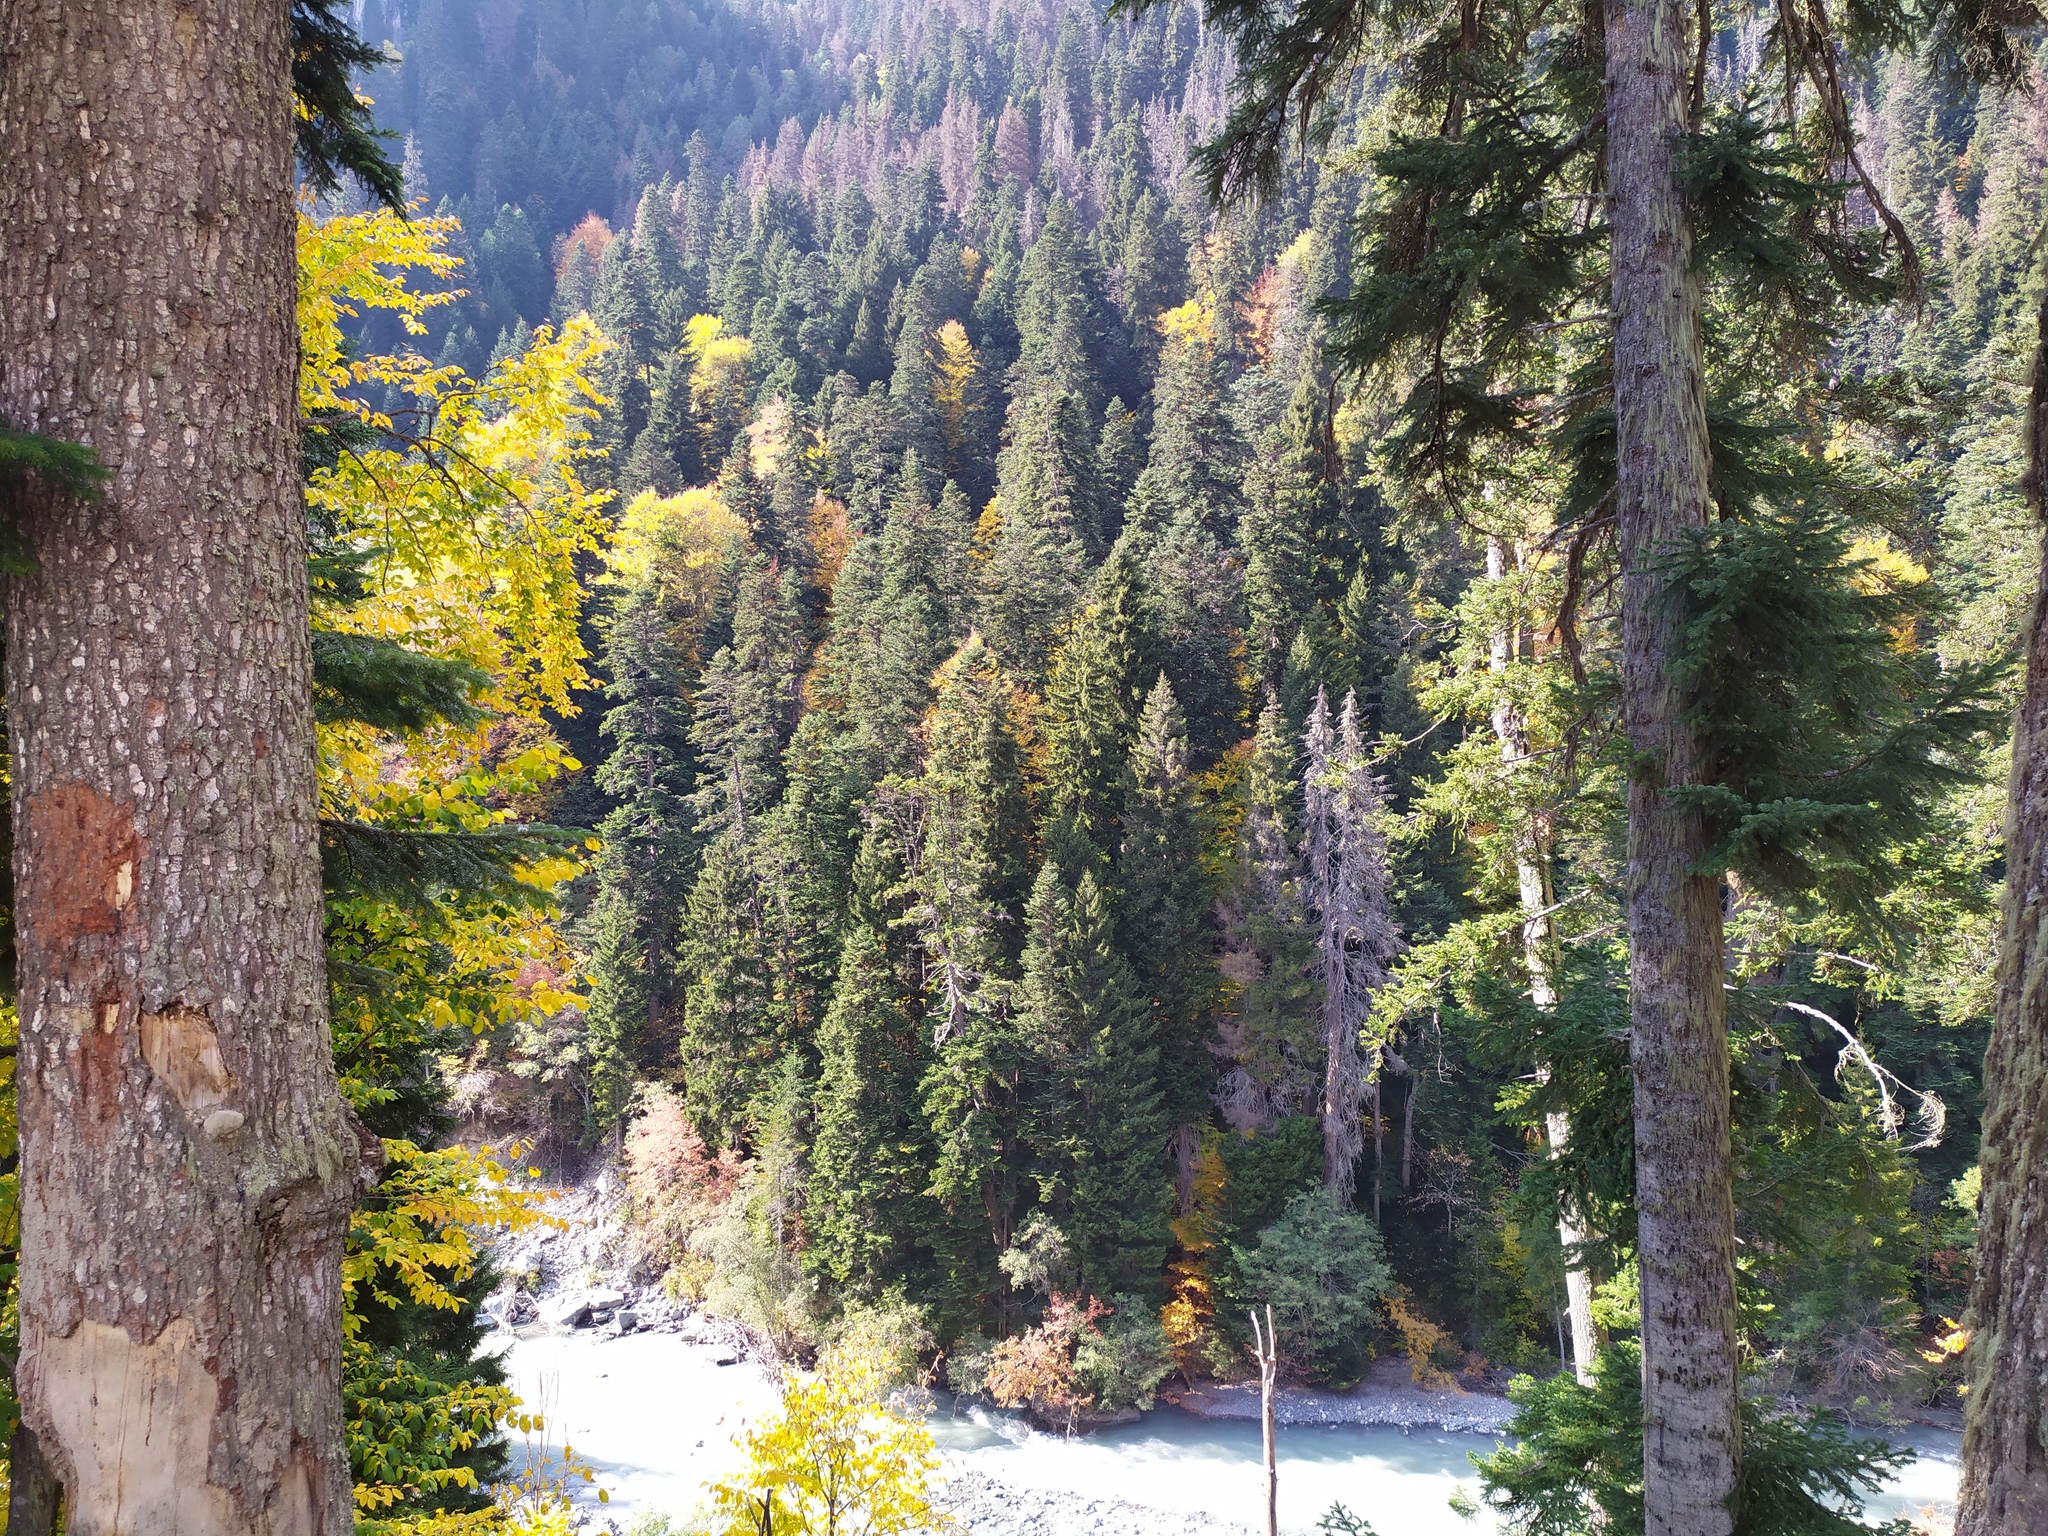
[
  {"x": 1094, "y": 1120},
  {"x": 1196, "y": 466},
  {"x": 1295, "y": 497},
  {"x": 1059, "y": 319},
  {"x": 963, "y": 826},
  {"x": 1048, "y": 503},
  {"x": 867, "y": 1211},
  {"x": 747, "y": 700},
  {"x": 1120, "y": 459},
  {"x": 1095, "y": 691},
  {"x": 1163, "y": 918},
  {"x": 731, "y": 1031},
  {"x": 1195, "y": 586},
  {"x": 636, "y": 1003}
]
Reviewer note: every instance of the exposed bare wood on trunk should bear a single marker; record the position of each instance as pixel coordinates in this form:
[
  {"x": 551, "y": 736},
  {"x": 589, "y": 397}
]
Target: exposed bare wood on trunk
[
  {"x": 2005, "y": 1424},
  {"x": 187, "y": 1163},
  {"x": 1537, "y": 895},
  {"x": 1678, "y": 1015}
]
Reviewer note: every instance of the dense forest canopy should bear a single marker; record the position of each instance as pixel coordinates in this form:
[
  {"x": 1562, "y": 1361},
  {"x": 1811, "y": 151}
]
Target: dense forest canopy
[{"x": 1097, "y": 798}]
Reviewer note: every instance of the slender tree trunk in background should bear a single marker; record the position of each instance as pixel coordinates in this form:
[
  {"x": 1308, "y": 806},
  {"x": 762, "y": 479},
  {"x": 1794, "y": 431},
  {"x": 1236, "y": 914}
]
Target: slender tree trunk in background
[
  {"x": 1539, "y": 953},
  {"x": 187, "y": 1163},
  {"x": 1266, "y": 1349},
  {"x": 1678, "y": 1014},
  {"x": 2005, "y": 1428}
]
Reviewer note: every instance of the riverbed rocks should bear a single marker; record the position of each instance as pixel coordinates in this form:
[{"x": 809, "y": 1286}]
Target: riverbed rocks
[
  {"x": 985, "y": 1507},
  {"x": 1387, "y": 1396}
]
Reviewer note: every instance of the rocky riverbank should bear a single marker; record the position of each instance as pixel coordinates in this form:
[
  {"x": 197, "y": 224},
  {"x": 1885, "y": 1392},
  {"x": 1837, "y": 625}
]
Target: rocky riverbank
[
  {"x": 985, "y": 1506},
  {"x": 1386, "y": 1397}
]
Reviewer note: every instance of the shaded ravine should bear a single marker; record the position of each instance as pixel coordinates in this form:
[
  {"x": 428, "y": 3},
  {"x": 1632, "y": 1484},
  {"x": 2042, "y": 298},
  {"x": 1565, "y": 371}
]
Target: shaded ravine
[{"x": 655, "y": 1415}]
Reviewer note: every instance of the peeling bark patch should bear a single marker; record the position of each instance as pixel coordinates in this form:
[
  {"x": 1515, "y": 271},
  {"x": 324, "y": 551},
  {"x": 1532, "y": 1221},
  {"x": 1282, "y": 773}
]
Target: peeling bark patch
[
  {"x": 102, "y": 1072},
  {"x": 184, "y": 1052},
  {"x": 87, "y": 854},
  {"x": 132, "y": 1425}
]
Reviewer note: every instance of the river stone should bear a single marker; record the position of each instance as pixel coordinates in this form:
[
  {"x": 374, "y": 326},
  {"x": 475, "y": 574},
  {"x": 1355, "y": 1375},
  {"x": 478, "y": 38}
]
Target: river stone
[
  {"x": 569, "y": 1309},
  {"x": 627, "y": 1319}
]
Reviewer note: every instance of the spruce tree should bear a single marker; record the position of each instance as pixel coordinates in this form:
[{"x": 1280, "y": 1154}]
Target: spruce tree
[
  {"x": 867, "y": 1211},
  {"x": 672, "y": 434},
  {"x": 1164, "y": 919},
  {"x": 1293, "y": 497},
  {"x": 1048, "y": 502},
  {"x": 1196, "y": 466},
  {"x": 1195, "y": 587},
  {"x": 1059, "y": 318},
  {"x": 1095, "y": 691},
  {"x": 1094, "y": 1119},
  {"x": 746, "y": 702},
  {"x": 732, "y": 1031},
  {"x": 1538, "y": 164},
  {"x": 963, "y": 826},
  {"x": 635, "y": 1016},
  {"x": 1119, "y": 456}
]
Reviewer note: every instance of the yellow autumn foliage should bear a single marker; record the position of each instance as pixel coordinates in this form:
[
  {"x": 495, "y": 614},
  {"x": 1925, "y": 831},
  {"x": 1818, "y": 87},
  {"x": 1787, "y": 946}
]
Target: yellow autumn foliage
[{"x": 832, "y": 1463}]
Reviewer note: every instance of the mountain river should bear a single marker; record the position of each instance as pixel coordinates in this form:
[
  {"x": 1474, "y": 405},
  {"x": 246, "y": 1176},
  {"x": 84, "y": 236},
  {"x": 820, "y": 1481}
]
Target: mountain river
[{"x": 655, "y": 1415}]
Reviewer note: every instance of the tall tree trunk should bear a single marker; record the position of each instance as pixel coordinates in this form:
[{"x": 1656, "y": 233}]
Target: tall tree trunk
[
  {"x": 1539, "y": 954},
  {"x": 187, "y": 1163},
  {"x": 2005, "y": 1445},
  {"x": 1678, "y": 1015}
]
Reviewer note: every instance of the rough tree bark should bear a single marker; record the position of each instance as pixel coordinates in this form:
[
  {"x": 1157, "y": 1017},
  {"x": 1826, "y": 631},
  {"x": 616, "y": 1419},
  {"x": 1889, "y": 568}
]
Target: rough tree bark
[
  {"x": 187, "y": 1163},
  {"x": 2005, "y": 1423},
  {"x": 1539, "y": 954},
  {"x": 1678, "y": 1015}
]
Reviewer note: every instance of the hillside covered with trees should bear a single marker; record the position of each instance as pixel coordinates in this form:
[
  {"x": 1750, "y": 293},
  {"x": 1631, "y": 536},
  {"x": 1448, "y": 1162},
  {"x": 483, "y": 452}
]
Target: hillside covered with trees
[
  {"x": 1045, "y": 758},
  {"x": 1043, "y": 719}
]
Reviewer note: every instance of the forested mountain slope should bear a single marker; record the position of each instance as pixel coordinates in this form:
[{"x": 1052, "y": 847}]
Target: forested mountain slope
[{"x": 1041, "y": 737}]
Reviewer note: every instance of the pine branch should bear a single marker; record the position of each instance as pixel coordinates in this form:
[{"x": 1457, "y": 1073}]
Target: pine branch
[
  {"x": 336, "y": 135},
  {"x": 379, "y": 683},
  {"x": 414, "y": 869}
]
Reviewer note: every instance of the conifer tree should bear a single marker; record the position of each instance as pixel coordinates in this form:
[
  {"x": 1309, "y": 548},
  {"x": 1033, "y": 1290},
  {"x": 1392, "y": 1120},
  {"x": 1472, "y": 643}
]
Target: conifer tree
[
  {"x": 2005, "y": 1483},
  {"x": 1094, "y": 1119},
  {"x": 1195, "y": 588},
  {"x": 1294, "y": 496},
  {"x": 635, "y": 1014},
  {"x": 1163, "y": 919},
  {"x": 658, "y": 254},
  {"x": 1474, "y": 220},
  {"x": 1095, "y": 691},
  {"x": 1048, "y": 502},
  {"x": 746, "y": 702},
  {"x": 866, "y": 1210},
  {"x": 672, "y": 435},
  {"x": 963, "y": 827},
  {"x": 1059, "y": 318},
  {"x": 1196, "y": 465},
  {"x": 731, "y": 1030},
  {"x": 1119, "y": 455},
  {"x": 961, "y": 393},
  {"x": 1269, "y": 945},
  {"x": 785, "y": 524}
]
